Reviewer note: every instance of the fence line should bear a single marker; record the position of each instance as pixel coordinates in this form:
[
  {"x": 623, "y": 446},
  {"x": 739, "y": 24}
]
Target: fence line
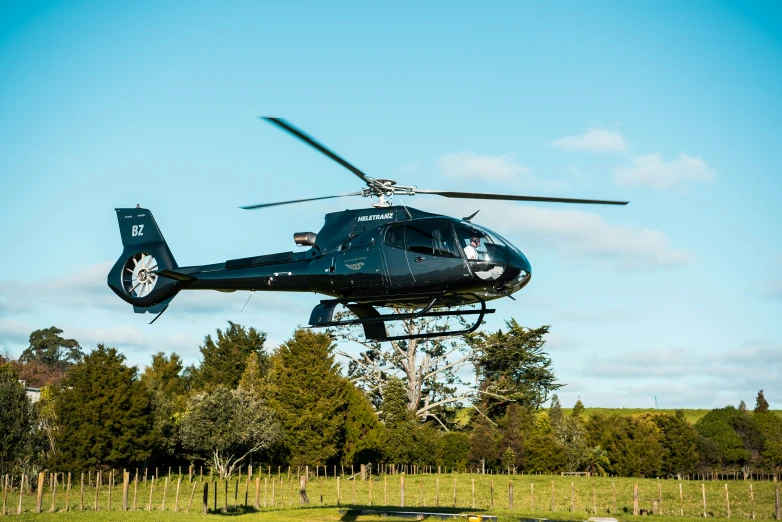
[{"x": 729, "y": 499}]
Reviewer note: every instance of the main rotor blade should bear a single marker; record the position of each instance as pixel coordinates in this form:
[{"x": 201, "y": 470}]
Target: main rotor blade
[
  {"x": 510, "y": 197},
  {"x": 262, "y": 205},
  {"x": 284, "y": 125}
]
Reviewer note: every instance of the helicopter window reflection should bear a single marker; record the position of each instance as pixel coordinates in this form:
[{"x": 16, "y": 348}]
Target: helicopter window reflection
[
  {"x": 395, "y": 236},
  {"x": 485, "y": 252},
  {"x": 432, "y": 238}
]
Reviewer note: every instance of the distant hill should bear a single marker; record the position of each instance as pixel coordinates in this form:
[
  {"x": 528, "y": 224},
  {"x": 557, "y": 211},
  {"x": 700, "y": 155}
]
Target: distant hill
[{"x": 692, "y": 415}]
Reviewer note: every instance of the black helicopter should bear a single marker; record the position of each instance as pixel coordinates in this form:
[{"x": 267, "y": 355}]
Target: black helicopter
[{"x": 386, "y": 256}]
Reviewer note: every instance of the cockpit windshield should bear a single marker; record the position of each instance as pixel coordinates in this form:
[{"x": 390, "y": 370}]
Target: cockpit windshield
[{"x": 485, "y": 251}]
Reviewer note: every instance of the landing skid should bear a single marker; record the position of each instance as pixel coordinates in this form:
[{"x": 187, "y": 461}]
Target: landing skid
[{"x": 374, "y": 322}]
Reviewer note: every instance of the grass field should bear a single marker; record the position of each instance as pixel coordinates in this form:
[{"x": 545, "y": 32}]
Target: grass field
[{"x": 533, "y": 497}]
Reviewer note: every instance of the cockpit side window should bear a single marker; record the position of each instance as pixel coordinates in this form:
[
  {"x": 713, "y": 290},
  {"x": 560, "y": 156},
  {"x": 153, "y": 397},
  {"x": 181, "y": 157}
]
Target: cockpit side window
[
  {"x": 395, "y": 236},
  {"x": 473, "y": 241},
  {"x": 433, "y": 238}
]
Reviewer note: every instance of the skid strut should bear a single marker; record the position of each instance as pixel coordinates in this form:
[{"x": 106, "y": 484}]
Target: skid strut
[{"x": 374, "y": 322}]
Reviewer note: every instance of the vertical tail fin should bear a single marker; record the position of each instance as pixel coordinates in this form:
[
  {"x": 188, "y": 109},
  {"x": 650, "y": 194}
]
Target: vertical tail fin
[{"x": 134, "y": 277}]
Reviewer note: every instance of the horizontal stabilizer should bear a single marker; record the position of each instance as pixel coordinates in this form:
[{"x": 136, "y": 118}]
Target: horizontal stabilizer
[{"x": 170, "y": 274}]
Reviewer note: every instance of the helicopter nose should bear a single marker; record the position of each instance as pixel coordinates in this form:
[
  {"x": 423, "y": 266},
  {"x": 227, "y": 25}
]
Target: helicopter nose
[{"x": 519, "y": 269}]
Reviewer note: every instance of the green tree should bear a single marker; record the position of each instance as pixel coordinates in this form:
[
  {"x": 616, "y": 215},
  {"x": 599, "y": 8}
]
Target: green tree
[
  {"x": 225, "y": 358},
  {"x": 513, "y": 367},
  {"x": 572, "y": 436},
  {"x": 736, "y": 434},
  {"x": 484, "y": 443},
  {"x": 164, "y": 383},
  {"x": 770, "y": 426},
  {"x": 597, "y": 461},
  {"x": 224, "y": 426},
  {"x": 104, "y": 414},
  {"x": 307, "y": 392},
  {"x": 452, "y": 452},
  {"x": 544, "y": 453},
  {"x": 48, "y": 356},
  {"x": 679, "y": 441},
  {"x": 362, "y": 428},
  {"x": 16, "y": 422},
  {"x": 399, "y": 423},
  {"x": 514, "y": 427},
  {"x": 634, "y": 447},
  {"x": 254, "y": 376},
  {"x": 761, "y": 404}
]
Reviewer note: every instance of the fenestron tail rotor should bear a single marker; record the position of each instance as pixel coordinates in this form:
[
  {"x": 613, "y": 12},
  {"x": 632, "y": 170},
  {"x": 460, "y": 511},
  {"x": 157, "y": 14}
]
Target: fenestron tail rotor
[
  {"x": 385, "y": 189},
  {"x": 138, "y": 275}
]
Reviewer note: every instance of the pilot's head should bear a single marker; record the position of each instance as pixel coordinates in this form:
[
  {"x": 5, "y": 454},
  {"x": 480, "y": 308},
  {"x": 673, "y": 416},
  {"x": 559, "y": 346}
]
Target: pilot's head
[{"x": 475, "y": 241}]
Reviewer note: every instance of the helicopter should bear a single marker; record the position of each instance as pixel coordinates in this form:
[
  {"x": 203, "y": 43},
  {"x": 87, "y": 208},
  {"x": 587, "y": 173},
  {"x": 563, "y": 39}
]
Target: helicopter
[{"x": 418, "y": 263}]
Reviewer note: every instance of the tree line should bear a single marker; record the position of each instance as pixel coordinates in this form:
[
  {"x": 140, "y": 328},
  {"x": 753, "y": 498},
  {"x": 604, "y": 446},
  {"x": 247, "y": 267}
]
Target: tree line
[{"x": 400, "y": 403}]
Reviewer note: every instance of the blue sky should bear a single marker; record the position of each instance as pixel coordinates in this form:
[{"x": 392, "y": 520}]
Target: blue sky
[{"x": 674, "y": 106}]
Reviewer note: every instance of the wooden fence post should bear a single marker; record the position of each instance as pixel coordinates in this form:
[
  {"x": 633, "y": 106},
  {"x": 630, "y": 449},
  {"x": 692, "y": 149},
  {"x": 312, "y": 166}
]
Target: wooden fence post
[
  {"x": 214, "y": 494},
  {"x": 510, "y": 494},
  {"x": 703, "y": 490},
  {"x": 752, "y": 501},
  {"x": 572, "y": 498},
  {"x": 176, "y": 499},
  {"x": 727, "y": 500},
  {"x": 635, "y": 498},
  {"x": 257, "y": 503},
  {"x": 681, "y": 501},
  {"x": 370, "y": 490},
  {"x": 777, "y": 500},
  {"x": 594, "y": 499},
  {"x": 125, "y": 486},
  {"x": 53, "y": 488},
  {"x": 473, "y": 493},
  {"x": 165, "y": 493},
  {"x": 338, "y": 499},
  {"x": 402, "y": 490},
  {"x": 303, "y": 498},
  {"x": 81, "y": 493},
  {"x": 135, "y": 489},
  {"x": 454, "y": 492},
  {"x": 192, "y": 494},
  {"x": 151, "y": 489},
  {"x": 5, "y": 492},
  {"x": 39, "y": 500},
  {"x": 98, "y": 481},
  {"x": 21, "y": 494},
  {"x": 437, "y": 491},
  {"x": 205, "y": 504},
  {"x": 613, "y": 497},
  {"x": 660, "y": 497}
]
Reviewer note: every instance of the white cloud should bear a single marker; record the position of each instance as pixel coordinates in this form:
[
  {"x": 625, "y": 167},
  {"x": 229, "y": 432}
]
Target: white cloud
[
  {"x": 651, "y": 170},
  {"x": 593, "y": 140},
  {"x": 14, "y": 332},
  {"x": 87, "y": 289},
  {"x": 587, "y": 234},
  {"x": 469, "y": 165}
]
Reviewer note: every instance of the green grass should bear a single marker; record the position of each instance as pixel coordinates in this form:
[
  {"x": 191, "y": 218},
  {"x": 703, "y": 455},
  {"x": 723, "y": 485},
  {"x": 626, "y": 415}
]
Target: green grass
[{"x": 532, "y": 498}]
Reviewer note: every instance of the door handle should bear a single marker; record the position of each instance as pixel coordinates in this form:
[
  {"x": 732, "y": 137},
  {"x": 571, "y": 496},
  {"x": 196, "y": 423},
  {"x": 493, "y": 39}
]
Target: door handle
[{"x": 418, "y": 259}]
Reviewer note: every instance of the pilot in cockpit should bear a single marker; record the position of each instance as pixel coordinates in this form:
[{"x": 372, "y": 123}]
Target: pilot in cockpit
[{"x": 471, "y": 250}]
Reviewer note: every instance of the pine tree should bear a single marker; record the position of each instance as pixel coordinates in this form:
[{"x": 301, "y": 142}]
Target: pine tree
[
  {"x": 16, "y": 421},
  {"x": 484, "y": 443},
  {"x": 163, "y": 381},
  {"x": 761, "y": 405},
  {"x": 254, "y": 377},
  {"x": 544, "y": 453},
  {"x": 679, "y": 441},
  {"x": 362, "y": 428},
  {"x": 514, "y": 427},
  {"x": 225, "y": 358},
  {"x": 308, "y": 394},
  {"x": 104, "y": 414},
  {"x": 399, "y": 423},
  {"x": 452, "y": 452}
]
